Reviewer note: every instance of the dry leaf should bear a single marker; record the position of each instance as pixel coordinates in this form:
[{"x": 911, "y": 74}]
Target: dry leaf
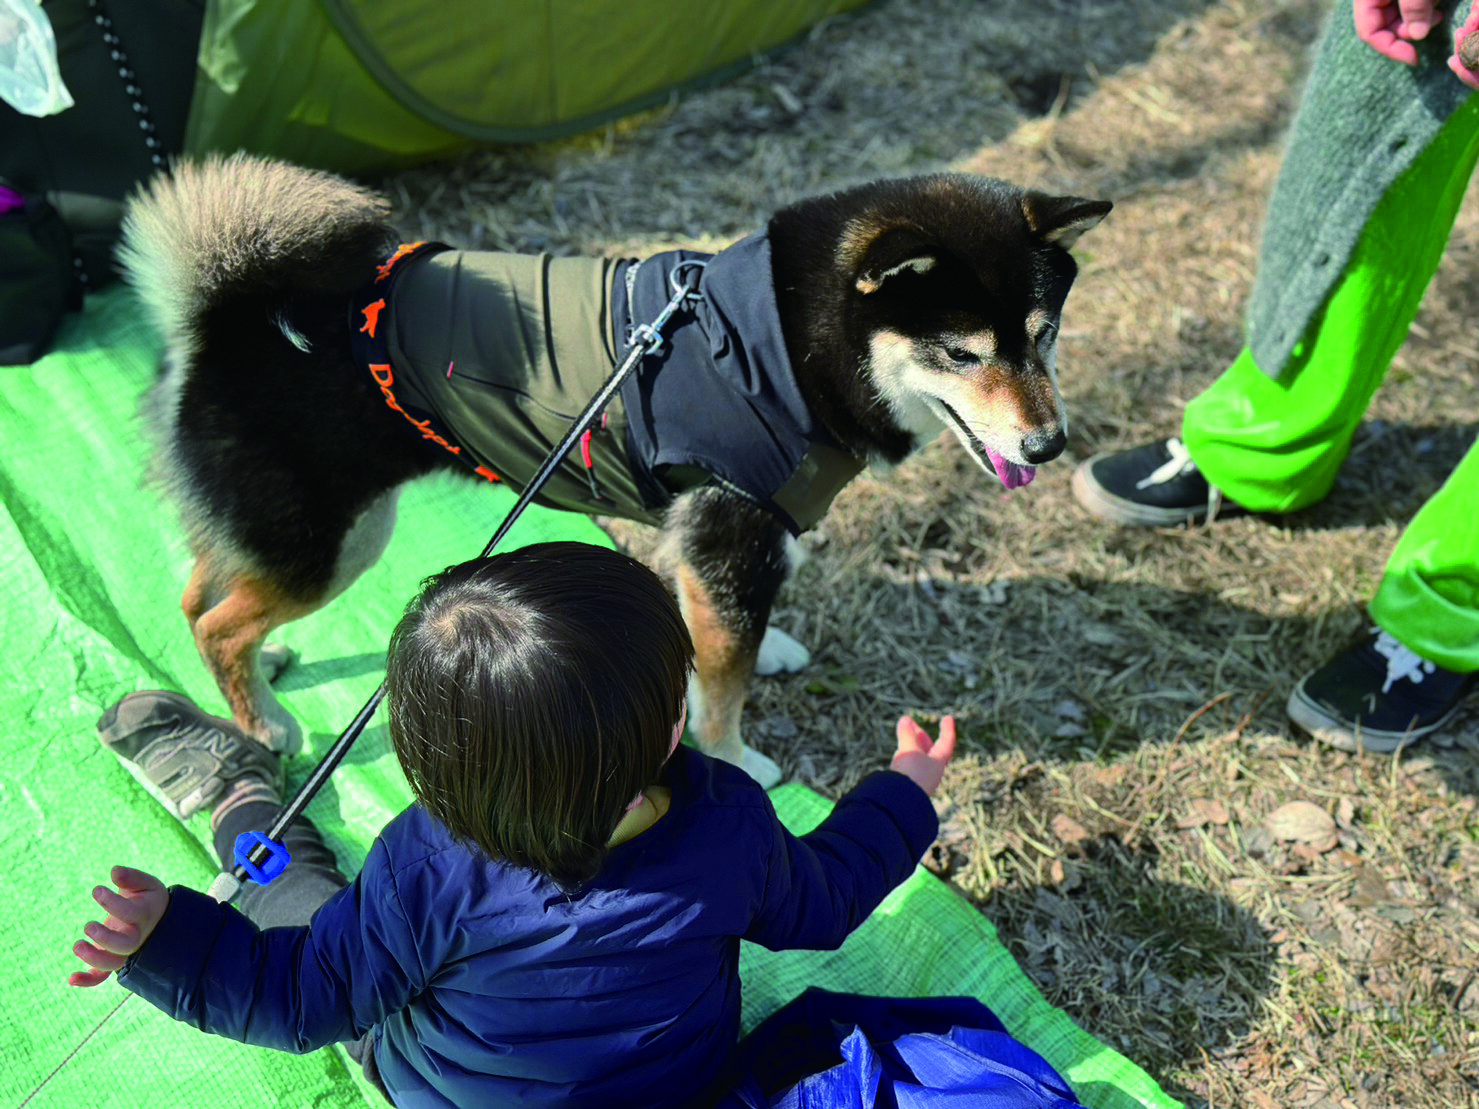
[
  {"x": 1303, "y": 822},
  {"x": 1371, "y": 889},
  {"x": 1203, "y": 811},
  {"x": 1070, "y": 831}
]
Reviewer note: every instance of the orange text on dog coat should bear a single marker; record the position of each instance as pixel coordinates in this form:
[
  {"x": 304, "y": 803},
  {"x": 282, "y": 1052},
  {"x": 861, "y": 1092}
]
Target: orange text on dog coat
[
  {"x": 385, "y": 378},
  {"x": 371, "y": 312},
  {"x": 400, "y": 252}
]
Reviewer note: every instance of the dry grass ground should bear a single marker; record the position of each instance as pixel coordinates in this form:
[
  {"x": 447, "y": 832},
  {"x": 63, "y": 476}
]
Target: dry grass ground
[{"x": 1120, "y": 691}]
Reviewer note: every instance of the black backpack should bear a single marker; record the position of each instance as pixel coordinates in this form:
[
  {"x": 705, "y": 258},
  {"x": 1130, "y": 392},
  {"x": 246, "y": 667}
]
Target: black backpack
[{"x": 130, "y": 67}]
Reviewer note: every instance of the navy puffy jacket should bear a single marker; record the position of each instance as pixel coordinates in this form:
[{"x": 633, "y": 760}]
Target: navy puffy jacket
[{"x": 486, "y": 985}]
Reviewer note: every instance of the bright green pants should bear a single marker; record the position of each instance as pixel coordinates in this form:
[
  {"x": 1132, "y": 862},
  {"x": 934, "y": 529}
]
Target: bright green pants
[{"x": 1276, "y": 445}]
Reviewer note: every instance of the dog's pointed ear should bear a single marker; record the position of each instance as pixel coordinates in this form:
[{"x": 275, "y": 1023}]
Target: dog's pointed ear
[
  {"x": 1062, "y": 219},
  {"x": 872, "y": 279},
  {"x": 874, "y": 252}
]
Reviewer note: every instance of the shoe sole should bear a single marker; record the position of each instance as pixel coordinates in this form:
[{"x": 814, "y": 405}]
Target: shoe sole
[
  {"x": 1333, "y": 733},
  {"x": 1101, "y": 502}
]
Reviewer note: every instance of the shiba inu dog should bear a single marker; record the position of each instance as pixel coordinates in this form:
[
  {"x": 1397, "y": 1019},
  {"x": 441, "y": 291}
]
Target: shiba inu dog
[{"x": 312, "y": 366}]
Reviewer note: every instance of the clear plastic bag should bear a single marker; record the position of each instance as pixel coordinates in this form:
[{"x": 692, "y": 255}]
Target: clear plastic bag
[{"x": 30, "y": 79}]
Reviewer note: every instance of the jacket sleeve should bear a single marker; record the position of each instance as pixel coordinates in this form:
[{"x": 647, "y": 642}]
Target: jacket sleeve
[
  {"x": 295, "y": 989},
  {"x": 822, "y": 885}
]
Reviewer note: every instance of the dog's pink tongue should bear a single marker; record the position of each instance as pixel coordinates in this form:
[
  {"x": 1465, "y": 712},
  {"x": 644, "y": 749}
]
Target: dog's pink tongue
[{"x": 1012, "y": 476}]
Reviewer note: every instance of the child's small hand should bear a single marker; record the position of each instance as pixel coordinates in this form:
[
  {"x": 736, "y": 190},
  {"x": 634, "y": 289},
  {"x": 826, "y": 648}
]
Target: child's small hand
[
  {"x": 132, "y": 914},
  {"x": 921, "y": 759}
]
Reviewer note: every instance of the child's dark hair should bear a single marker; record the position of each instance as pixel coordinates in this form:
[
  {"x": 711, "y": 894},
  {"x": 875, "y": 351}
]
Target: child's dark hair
[{"x": 533, "y": 695}]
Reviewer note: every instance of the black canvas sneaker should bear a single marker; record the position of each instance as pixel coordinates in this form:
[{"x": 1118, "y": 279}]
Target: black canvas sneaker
[
  {"x": 1157, "y": 485},
  {"x": 1376, "y": 696}
]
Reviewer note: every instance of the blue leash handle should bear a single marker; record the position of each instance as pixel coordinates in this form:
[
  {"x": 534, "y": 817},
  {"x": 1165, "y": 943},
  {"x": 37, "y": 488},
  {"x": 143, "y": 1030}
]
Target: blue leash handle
[{"x": 276, "y": 861}]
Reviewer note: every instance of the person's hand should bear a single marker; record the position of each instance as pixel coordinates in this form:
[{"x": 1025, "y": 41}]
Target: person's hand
[
  {"x": 1390, "y": 27},
  {"x": 132, "y": 914},
  {"x": 922, "y": 759},
  {"x": 1462, "y": 72}
]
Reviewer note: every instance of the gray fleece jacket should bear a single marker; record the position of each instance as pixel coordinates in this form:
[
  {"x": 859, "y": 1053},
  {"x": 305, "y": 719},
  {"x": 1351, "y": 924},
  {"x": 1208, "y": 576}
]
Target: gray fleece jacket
[{"x": 1362, "y": 122}]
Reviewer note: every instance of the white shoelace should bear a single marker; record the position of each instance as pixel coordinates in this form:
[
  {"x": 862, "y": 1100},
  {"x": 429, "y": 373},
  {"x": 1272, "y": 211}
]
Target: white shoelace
[
  {"x": 1401, "y": 662},
  {"x": 1180, "y": 463}
]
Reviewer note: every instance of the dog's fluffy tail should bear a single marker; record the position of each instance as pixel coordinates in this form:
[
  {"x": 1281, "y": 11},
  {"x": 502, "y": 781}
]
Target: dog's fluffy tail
[{"x": 217, "y": 228}]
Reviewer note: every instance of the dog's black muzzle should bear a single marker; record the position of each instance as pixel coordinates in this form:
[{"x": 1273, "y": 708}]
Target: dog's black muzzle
[{"x": 1043, "y": 446}]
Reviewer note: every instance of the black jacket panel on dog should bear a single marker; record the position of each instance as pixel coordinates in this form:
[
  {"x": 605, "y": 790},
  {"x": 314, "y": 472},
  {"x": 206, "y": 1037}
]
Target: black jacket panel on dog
[
  {"x": 721, "y": 395},
  {"x": 503, "y": 351}
]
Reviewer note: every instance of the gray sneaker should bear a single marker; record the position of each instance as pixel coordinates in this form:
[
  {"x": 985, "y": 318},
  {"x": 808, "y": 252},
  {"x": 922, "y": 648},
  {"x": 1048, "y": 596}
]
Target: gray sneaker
[{"x": 183, "y": 756}]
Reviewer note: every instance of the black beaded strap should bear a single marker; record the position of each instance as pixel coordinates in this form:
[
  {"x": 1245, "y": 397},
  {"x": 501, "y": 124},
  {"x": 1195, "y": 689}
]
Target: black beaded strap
[
  {"x": 130, "y": 82},
  {"x": 136, "y": 97}
]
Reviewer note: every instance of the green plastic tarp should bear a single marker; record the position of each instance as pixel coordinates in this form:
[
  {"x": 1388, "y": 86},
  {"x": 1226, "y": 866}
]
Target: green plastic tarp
[
  {"x": 354, "y": 85},
  {"x": 94, "y": 563}
]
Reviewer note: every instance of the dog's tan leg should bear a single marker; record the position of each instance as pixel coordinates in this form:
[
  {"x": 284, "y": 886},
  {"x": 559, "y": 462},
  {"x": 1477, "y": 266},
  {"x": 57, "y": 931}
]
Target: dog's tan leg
[
  {"x": 722, "y": 671},
  {"x": 727, "y": 558},
  {"x": 232, "y": 610},
  {"x": 229, "y": 636},
  {"x": 724, "y": 659},
  {"x": 201, "y": 592}
]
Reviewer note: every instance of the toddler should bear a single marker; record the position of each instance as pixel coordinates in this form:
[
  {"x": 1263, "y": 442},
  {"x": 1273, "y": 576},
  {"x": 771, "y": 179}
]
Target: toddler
[{"x": 557, "y": 917}]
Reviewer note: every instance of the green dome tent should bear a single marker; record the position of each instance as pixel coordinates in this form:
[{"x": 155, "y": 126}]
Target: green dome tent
[{"x": 365, "y": 84}]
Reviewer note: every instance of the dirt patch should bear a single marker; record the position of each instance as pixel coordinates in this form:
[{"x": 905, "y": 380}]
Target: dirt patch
[{"x": 1120, "y": 692}]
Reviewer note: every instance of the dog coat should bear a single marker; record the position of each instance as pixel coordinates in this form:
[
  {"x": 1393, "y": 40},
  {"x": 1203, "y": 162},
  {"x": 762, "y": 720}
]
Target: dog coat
[{"x": 493, "y": 356}]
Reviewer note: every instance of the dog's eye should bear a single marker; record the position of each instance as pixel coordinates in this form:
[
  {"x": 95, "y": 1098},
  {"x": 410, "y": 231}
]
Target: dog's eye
[
  {"x": 960, "y": 356},
  {"x": 1048, "y": 333}
]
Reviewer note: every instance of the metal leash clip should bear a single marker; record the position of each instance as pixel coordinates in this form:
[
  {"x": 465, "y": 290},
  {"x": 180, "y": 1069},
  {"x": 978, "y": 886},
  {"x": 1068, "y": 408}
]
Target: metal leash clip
[{"x": 648, "y": 336}]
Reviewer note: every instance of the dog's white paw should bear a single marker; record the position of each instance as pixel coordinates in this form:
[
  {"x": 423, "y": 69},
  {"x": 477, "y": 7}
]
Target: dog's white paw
[
  {"x": 762, "y": 768},
  {"x": 780, "y": 653},
  {"x": 278, "y": 732},
  {"x": 275, "y": 658}
]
